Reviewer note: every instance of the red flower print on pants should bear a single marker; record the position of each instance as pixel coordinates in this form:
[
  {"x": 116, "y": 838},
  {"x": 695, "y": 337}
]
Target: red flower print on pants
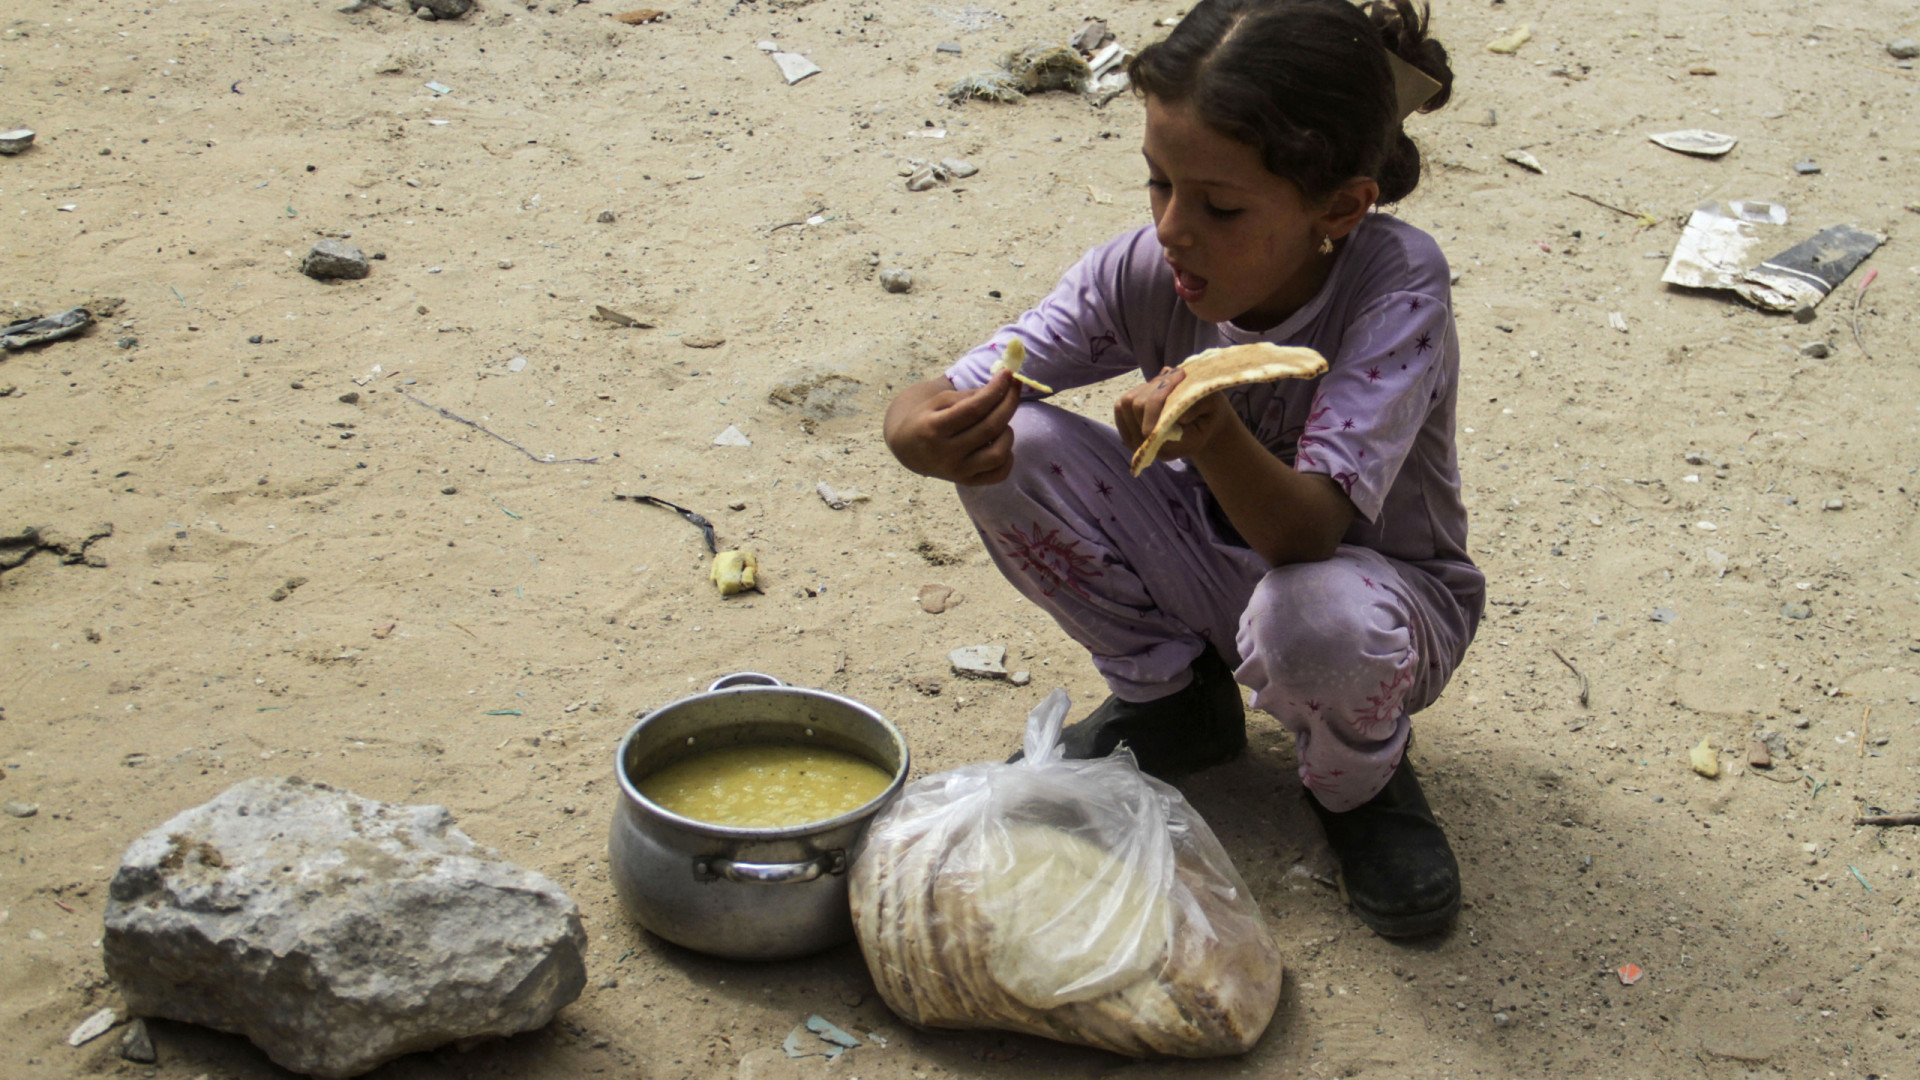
[
  {"x": 1382, "y": 710},
  {"x": 1053, "y": 562}
]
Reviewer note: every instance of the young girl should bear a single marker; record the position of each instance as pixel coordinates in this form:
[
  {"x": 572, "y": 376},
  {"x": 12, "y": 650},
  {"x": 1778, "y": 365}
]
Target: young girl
[{"x": 1308, "y": 540}]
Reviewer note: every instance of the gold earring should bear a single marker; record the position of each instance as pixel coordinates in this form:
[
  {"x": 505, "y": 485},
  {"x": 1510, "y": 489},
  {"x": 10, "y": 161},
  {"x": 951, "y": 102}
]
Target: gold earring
[{"x": 1326, "y": 245}]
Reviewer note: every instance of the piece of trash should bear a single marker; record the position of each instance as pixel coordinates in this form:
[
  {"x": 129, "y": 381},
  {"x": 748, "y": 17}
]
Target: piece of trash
[
  {"x": 517, "y": 364},
  {"x": 1525, "y": 161},
  {"x": 733, "y": 436},
  {"x": 1629, "y": 974},
  {"x": 1089, "y": 38},
  {"x": 699, "y": 522},
  {"x": 640, "y": 16},
  {"x": 1032, "y": 70},
  {"x": 26, "y": 333},
  {"x": 985, "y": 661},
  {"x": 927, "y": 175},
  {"x": 67, "y": 208},
  {"x": 828, "y": 1032},
  {"x": 1704, "y": 759},
  {"x": 15, "y": 141},
  {"x": 733, "y": 572},
  {"x": 439, "y": 88},
  {"x": 1617, "y": 320},
  {"x": 1806, "y": 272},
  {"x": 896, "y": 280},
  {"x": 1859, "y": 877},
  {"x": 1696, "y": 141},
  {"x": 1510, "y": 43},
  {"x": 619, "y": 318},
  {"x": 1662, "y": 615},
  {"x": 839, "y": 500},
  {"x": 93, "y": 1027},
  {"x": 1758, "y": 756},
  {"x": 503, "y": 712},
  {"x": 1806, "y": 168},
  {"x": 794, "y": 66},
  {"x": 372, "y": 374},
  {"x": 1717, "y": 242}
]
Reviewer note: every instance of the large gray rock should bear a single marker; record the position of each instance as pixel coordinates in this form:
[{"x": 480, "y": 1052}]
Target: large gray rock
[
  {"x": 334, "y": 931},
  {"x": 335, "y": 259}
]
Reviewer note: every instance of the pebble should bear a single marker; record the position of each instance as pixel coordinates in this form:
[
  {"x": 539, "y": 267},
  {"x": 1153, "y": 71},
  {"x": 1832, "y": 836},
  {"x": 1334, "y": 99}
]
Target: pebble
[
  {"x": 1805, "y": 313},
  {"x": 952, "y": 48},
  {"x": 255, "y": 339},
  {"x": 611, "y": 982},
  {"x": 923, "y": 178},
  {"x": 506, "y": 264},
  {"x": 137, "y": 1043},
  {"x": 733, "y": 436},
  {"x": 1697, "y": 458},
  {"x": 607, "y": 217},
  {"x": 331, "y": 259},
  {"x": 959, "y": 167},
  {"x": 935, "y": 599},
  {"x": 351, "y": 397},
  {"x": 1797, "y": 611},
  {"x": 1663, "y": 614},
  {"x": 702, "y": 341},
  {"x": 1793, "y": 994},
  {"x": 1899, "y": 49},
  {"x": 22, "y": 809},
  {"x": 1818, "y": 350},
  {"x": 1758, "y": 756},
  {"x": 1834, "y": 504},
  {"x": 1806, "y": 168},
  {"x": 449, "y": 490},
  {"x": 1501, "y": 1019},
  {"x": 896, "y": 280},
  {"x": 92, "y": 1027},
  {"x": 15, "y": 141},
  {"x": 989, "y": 661},
  {"x": 1020, "y": 678},
  {"x": 518, "y": 363}
]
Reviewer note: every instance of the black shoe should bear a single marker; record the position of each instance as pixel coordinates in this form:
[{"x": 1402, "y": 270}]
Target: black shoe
[
  {"x": 1394, "y": 859},
  {"x": 1197, "y": 727}
]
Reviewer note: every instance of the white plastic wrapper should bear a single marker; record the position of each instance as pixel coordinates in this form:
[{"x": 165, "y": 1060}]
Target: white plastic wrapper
[{"x": 1078, "y": 900}]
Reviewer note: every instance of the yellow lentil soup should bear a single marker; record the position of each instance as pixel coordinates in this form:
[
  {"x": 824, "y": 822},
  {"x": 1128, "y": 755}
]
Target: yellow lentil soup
[{"x": 769, "y": 785}]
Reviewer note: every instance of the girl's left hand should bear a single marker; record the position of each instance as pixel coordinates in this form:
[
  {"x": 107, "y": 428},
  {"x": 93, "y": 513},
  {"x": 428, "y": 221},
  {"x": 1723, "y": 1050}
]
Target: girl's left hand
[{"x": 1138, "y": 410}]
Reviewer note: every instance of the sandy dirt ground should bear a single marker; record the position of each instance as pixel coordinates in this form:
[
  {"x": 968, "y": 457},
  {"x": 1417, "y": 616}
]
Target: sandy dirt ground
[{"x": 478, "y": 627}]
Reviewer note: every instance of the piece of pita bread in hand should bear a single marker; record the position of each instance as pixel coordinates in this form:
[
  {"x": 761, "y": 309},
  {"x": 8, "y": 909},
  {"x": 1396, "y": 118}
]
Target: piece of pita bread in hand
[
  {"x": 1219, "y": 369},
  {"x": 1010, "y": 360}
]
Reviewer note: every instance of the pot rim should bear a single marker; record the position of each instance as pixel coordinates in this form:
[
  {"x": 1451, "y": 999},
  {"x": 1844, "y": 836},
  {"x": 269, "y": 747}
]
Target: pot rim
[{"x": 723, "y": 687}]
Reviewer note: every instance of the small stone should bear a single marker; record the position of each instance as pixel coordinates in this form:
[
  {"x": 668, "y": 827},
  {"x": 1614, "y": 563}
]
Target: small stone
[
  {"x": 22, "y": 809},
  {"x": 335, "y": 259},
  {"x": 607, "y": 217},
  {"x": 1501, "y": 1019},
  {"x": 255, "y": 339},
  {"x": 517, "y": 364},
  {"x": 935, "y": 599},
  {"x": 1695, "y": 457},
  {"x": 852, "y": 999},
  {"x": 1758, "y": 756},
  {"x": 1903, "y": 49},
  {"x": 286, "y": 589},
  {"x": 1806, "y": 168},
  {"x": 93, "y": 1027},
  {"x": 424, "y": 15},
  {"x": 610, "y": 982},
  {"x": 702, "y": 341},
  {"x": 733, "y": 436},
  {"x": 1662, "y": 615},
  {"x": 926, "y": 685},
  {"x": 926, "y": 176},
  {"x": 1834, "y": 504},
  {"x": 409, "y": 935},
  {"x": 449, "y": 490},
  {"x": 506, "y": 264},
  {"x": 1793, "y": 994},
  {"x": 952, "y": 48},
  {"x": 1797, "y": 610},
  {"x": 1818, "y": 350},
  {"x": 445, "y": 9},
  {"x": 1020, "y": 678},
  {"x": 351, "y": 397},
  {"x": 1805, "y": 313},
  {"x": 896, "y": 280},
  {"x": 983, "y": 661},
  {"x": 958, "y": 168},
  {"x": 137, "y": 1044},
  {"x": 15, "y": 141},
  {"x": 1802, "y": 722}
]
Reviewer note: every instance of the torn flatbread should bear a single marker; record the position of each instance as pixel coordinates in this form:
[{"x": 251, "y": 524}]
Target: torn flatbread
[
  {"x": 1011, "y": 360},
  {"x": 1219, "y": 369}
]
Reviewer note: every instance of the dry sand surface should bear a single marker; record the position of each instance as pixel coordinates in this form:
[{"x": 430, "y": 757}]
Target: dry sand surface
[{"x": 478, "y": 628}]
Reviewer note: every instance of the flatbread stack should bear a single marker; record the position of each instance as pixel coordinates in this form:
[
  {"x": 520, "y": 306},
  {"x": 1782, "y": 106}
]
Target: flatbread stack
[{"x": 972, "y": 918}]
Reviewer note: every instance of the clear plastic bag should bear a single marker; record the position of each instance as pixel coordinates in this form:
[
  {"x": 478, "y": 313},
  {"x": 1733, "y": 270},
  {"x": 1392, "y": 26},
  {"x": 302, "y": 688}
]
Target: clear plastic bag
[{"x": 1078, "y": 900}]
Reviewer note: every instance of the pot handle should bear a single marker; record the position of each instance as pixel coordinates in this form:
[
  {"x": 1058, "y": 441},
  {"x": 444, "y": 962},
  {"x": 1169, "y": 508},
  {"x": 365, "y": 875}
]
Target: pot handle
[
  {"x": 831, "y": 862},
  {"x": 743, "y": 678}
]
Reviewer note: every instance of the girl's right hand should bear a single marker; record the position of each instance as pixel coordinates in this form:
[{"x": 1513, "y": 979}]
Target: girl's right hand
[{"x": 961, "y": 436}]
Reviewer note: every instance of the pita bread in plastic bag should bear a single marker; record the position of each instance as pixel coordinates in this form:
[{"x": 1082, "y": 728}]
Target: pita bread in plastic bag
[{"x": 1078, "y": 900}]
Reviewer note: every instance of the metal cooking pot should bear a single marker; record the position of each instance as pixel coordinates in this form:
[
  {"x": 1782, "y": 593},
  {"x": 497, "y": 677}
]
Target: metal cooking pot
[{"x": 749, "y": 894}]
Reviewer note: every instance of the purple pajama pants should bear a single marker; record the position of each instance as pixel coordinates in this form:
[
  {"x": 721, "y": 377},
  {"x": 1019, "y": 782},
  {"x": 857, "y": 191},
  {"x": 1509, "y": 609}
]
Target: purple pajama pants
[{"x": 1339, "y": 651}]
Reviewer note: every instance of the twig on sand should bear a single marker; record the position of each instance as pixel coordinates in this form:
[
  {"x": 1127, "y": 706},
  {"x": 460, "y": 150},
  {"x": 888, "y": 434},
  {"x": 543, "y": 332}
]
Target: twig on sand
[
  {"x": 796, "y": 224},
  {"x": 449, "y": 414},
  {"x": 1854, "y": 316},
  {"x": 1889, "y": 819},
  {"x": 1644, "y": 219},
  {"x": 1576, "y": 674}
]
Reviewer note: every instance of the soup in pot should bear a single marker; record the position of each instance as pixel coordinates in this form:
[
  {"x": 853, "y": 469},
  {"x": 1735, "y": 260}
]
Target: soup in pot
[{"x": 770, "y": 785}]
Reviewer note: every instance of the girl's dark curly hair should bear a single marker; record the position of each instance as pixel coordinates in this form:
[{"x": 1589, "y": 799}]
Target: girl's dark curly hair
[{"x": 1305, "y": 82}]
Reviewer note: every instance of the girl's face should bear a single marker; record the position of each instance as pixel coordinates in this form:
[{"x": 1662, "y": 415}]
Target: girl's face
[{"x": 1243, "y": 243}]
